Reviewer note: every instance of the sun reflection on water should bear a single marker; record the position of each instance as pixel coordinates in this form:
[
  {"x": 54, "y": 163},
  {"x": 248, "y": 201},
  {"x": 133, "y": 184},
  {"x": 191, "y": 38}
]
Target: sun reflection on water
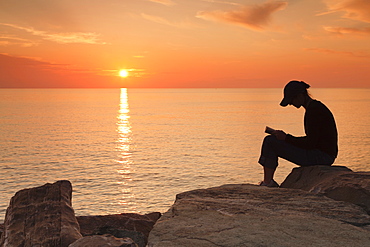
[{"x": 124, "y": 153}]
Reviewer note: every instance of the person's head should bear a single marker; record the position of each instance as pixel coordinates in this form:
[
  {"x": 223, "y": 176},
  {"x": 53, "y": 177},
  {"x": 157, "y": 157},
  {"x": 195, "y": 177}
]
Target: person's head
[{"x": 295, "y": 93}]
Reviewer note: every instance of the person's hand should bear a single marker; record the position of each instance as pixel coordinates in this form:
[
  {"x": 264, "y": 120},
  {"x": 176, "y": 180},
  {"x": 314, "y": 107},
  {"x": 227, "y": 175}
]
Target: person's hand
[{"x": 280, "y": 135}]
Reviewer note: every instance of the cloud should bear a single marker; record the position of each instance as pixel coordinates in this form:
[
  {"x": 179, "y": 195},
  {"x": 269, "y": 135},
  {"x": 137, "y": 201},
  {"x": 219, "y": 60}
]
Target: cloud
[
  {"x": 28, "y": 72},
  {"x": 345, "y": 30},
  {"x": 163, "y": 21},
  {"x": 68, "y": 38},
  {"x": 61, "y": 38},
  {"x": 222, "y": 2},
  {"x": 329, "y": 51},
  {"x": 156, "y": 19},
  {"x": 256, "y": 17},
  {"x": 354, "y": 9},
  {"x": 133, "y": 72},
  {"x": 6, "y": 40},
  {"x": 358, "y": 10},
  {"x": 28, "y": 61},
  {"x": 33, "y": 62},
  {"x": 18, "y": 71},
  {"x": 164, "y": 2}
]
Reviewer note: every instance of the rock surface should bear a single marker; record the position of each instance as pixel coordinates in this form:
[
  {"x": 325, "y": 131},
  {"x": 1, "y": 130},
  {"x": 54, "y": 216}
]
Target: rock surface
[
  {"x": 134, "y": 226},
  {"x": 1, "y": 230},
  {"x": 41, "y": 216},
  {"x": 336, "y": 182},
  {"x": 103, "y": 241},
  {"x": 248, "y": 215}
]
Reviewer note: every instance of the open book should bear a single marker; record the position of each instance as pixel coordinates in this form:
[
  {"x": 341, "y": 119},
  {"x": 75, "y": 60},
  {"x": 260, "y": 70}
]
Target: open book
[{"x": 269, "y": 130}]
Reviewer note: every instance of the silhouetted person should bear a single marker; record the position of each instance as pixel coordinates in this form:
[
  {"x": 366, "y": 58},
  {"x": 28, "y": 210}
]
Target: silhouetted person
[{"x": 318, "y": 147}]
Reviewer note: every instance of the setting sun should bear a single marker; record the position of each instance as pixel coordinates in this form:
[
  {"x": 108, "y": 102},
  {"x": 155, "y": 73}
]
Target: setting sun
[{"x": 123, "y": 73}]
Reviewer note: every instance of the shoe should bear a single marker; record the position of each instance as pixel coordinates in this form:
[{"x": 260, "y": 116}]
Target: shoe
[{"x": 271, "y": 184}]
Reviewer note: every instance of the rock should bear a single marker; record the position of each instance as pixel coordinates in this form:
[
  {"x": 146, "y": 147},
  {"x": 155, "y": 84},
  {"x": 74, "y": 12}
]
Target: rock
[
  {"x": 41, "y": 216},
  {"x": 1, "y": 230},
  {"x": 103, "y": 241},
  {"x": 134, "y": 226},
  {"x": 248, "y": 215},
  {"x": 336, "y": 182}
]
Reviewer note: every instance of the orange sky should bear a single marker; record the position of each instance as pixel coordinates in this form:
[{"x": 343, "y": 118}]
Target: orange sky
[{"x": 184, "y": 43}]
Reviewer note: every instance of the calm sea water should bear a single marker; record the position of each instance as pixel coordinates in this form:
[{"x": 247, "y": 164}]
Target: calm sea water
[{"x": 133, "y": 150}]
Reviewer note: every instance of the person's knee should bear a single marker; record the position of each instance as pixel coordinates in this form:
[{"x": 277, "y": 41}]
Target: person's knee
[
  {"x": 270, "y": 142},
  {"x": 270, "y": 139}
]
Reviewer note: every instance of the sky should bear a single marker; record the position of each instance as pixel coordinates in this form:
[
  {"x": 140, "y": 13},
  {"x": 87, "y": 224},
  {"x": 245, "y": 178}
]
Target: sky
[{"x": 184, "y": 43}]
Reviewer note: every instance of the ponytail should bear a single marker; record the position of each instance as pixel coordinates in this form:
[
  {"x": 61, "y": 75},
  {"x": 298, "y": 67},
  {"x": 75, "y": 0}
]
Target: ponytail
[{"x": 306, "y": 86}]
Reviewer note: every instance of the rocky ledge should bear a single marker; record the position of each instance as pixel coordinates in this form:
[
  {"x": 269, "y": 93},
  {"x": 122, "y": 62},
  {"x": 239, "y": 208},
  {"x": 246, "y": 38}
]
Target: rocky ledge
[{"x": 315, "y": 206}]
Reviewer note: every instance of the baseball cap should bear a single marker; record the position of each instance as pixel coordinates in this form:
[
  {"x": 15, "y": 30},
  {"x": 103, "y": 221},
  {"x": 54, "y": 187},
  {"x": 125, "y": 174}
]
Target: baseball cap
[{"x": 292, "y": 89}]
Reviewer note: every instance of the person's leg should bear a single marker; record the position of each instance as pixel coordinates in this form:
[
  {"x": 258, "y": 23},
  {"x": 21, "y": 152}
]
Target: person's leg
[
  {"x": 268, "y": 174},
  {"x": 269, "y": 158},
  {"x": 272, "y": 149}
]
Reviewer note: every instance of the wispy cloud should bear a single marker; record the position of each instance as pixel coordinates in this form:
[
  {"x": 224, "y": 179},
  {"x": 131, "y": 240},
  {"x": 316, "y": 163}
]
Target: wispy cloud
[
  {"x": 31, "y": 62},
  {"x": 358, "y": 10},
  {"x": 348, "y": 30},
  {"x": 330, "y": 51},
  {"x": 164, "y": 2},
  {"x": 161, "y": 20},
  {"x": 353, "y": 9},
  {"x": 256, "y": 17},
  {"x": 132, "y": 72},
  {"x": 25, "y": 62},
  {"x": 61, "y": 38},
  {"x": 68, "y": 38},
  {"x": 21, "y": 71},
  {"x": 222, "y": 2},
  {"x": 6, "y": 40},
  {"x": 156, "y": 19}
]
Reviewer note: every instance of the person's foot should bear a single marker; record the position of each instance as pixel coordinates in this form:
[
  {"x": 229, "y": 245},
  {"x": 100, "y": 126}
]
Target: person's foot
[{"x": 271, "y": 184}]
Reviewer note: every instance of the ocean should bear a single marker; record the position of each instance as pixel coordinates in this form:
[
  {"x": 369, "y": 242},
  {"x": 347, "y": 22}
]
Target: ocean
[{"x": 133, "y": 150}]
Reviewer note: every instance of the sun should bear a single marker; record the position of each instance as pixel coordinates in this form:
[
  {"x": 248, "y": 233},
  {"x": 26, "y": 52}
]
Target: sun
[{"x": 123, "y": 73}]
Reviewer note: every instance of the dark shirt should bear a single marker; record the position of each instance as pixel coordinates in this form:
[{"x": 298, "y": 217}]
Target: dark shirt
[{"x": 320, "y": 128}]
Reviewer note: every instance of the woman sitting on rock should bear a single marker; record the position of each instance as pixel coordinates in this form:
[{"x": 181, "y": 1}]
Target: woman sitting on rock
[{"x": 318, "y": 147}]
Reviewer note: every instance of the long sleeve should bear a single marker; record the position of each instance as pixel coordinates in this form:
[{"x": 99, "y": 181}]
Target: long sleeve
[{"x": 320, "y": 129}]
